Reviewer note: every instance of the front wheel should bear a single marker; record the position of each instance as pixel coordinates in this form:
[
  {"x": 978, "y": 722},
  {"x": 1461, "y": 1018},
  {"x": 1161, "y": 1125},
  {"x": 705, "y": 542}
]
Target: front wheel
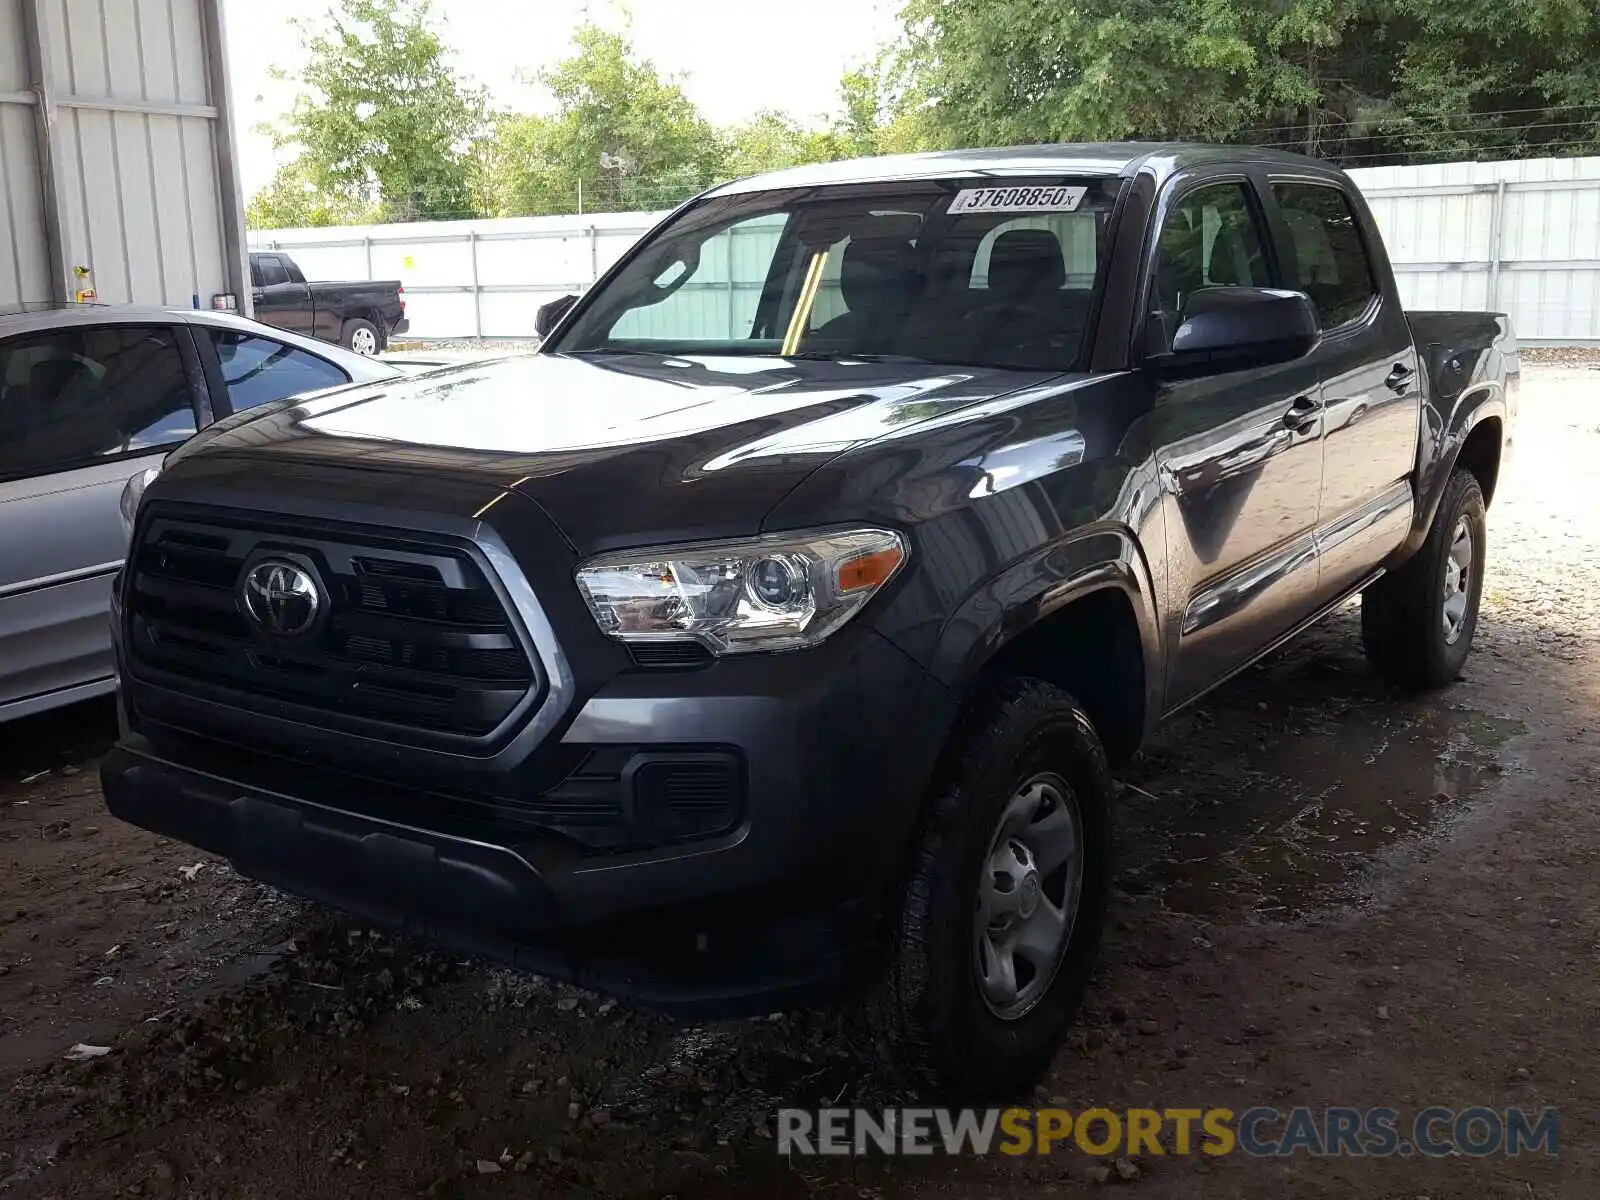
[
  {"x": 1417, "y": 623},
  {"x": 361, "y": 336},
  {"x": 1000, "y": 923}
]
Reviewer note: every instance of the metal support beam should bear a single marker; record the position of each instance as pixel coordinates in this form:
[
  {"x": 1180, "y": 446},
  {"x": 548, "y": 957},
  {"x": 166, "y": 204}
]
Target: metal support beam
[
  {"x": 47, "y": 134},
  {"x": 1497, "y": 232},
  {"x": 235, "y": 247},
  {"x": 477, "y": 290},
  {"x": 149, "y": 108}
]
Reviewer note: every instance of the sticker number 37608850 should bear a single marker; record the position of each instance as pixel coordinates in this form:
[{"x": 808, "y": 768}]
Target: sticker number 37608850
[{"x": 1017, "y": 199}]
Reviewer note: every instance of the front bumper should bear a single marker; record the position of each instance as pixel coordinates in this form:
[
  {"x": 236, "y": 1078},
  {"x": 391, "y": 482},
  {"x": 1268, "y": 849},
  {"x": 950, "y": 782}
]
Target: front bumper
[{"x": 836, "y": 746}]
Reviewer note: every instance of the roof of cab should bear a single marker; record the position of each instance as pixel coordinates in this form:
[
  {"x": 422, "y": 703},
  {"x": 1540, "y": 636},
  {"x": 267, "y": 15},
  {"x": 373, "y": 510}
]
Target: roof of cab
[{"x": 1065, "y": 158}]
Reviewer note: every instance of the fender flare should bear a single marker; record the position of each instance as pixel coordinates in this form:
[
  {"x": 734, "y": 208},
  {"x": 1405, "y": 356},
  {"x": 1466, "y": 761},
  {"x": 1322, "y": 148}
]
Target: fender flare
[
  {"x": 1439, "y": 449},
  {"x": 1042, "y": 583}
]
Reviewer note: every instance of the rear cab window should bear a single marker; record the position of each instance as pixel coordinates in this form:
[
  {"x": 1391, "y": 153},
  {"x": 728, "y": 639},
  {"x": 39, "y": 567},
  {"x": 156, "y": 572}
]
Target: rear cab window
[
  {"x": 77, "y": 397},
  {"x": 1327, "y": 258}
]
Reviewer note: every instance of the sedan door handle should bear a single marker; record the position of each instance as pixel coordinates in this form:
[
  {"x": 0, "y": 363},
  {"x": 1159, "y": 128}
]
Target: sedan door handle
[
  {"x": 1302, "y": 414},
  {"x": 1398, "y": 379}
]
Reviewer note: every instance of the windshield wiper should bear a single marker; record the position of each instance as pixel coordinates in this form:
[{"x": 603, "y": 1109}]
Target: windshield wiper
[
  {"x": 841, "y": 356},
  {"x": 614, "y": 350}
]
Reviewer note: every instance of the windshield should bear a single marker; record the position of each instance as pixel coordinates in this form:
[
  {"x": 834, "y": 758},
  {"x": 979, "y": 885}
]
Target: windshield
[{"x": 978, "y": 272}]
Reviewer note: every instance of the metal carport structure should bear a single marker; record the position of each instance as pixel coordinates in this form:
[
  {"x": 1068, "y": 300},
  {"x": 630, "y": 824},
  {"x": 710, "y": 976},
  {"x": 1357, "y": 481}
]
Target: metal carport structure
[{"x": 116, "y": 153}]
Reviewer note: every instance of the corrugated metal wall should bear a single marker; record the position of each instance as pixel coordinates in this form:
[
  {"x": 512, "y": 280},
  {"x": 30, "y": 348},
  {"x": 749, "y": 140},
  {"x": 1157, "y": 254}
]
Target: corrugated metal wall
[
  {"x": 24, "y": 259},
  {"x": 1522, "y": 237},
  {"x": 142, "y": 187}
]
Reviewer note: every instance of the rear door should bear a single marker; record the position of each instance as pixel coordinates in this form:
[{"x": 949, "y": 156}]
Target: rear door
[
  {"x": 1368, "y": 368},
  {"x": 279, "y": 299},
  {"x": 81, "y": 409}
]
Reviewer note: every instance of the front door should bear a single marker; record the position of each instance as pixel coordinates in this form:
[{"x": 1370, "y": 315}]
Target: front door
[
  {"x": 279, "y": 300},
  {"x": 81, "y": 410},
  {"x": 1239, "y": 453}
]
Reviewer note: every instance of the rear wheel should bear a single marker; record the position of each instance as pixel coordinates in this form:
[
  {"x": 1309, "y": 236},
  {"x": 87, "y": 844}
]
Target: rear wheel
[
  {"x": 1000, "y": 923},
  {"x": 361, "y": 336},
  {"x": 1417, "y": 623}
]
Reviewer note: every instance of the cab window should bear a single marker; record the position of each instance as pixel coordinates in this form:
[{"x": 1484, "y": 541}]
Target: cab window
[
  {"x": 1212, "y": 237},
  {"x": 1327, "y": 260}
]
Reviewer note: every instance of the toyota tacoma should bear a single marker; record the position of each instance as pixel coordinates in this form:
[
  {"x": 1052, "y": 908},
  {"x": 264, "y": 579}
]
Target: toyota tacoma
[{"x": 775, "y": 628}]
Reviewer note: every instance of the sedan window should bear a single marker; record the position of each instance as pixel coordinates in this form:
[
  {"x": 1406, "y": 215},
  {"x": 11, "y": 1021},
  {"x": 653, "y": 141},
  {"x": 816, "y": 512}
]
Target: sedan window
[
  {"x": 258, "y": 370},
  {"x": 79, "y": 396}
]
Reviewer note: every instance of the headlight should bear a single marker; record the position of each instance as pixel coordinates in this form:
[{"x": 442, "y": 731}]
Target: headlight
[
  {"x": 781, "y": 592},
  {"x": 132, "y": 493}
]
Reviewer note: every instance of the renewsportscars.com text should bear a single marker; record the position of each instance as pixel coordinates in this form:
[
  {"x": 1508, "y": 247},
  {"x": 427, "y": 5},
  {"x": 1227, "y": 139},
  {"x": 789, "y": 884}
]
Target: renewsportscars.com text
[{"x": 1259, "y": 1132}]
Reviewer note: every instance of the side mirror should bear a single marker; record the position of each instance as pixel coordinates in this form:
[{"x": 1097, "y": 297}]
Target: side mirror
[
  {"x": 1231, "y": 328},
  {"x": 549, "y": 315}
]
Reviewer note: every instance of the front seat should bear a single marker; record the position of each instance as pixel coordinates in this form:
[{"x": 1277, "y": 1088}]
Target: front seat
[
  {"x": 879, "y": 279},
  {"x": 73, "y": 406},
  {"x": 1026, "y": 307}
]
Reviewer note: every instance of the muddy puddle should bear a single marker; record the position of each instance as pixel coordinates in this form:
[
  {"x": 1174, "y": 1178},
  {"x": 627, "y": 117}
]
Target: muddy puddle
[{"x": 1291, "y": 816}]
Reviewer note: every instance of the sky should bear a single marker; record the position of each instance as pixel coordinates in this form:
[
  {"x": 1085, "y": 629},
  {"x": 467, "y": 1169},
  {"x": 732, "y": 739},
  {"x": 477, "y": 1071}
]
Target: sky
[{"x": 732, "y": 57}]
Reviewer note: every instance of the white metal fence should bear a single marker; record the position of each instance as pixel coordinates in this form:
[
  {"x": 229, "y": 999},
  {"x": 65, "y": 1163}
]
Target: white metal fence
[{"x": 1522, "y": 237}]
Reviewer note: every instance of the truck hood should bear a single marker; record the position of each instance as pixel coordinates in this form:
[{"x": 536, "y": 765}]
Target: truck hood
[{"x": 618, "y": 449}]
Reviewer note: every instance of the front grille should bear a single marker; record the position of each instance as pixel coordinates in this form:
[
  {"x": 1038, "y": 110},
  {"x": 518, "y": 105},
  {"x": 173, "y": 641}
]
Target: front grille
[
  {"x": 621, "y": 797},
  {"x": 415, "y": 637}
]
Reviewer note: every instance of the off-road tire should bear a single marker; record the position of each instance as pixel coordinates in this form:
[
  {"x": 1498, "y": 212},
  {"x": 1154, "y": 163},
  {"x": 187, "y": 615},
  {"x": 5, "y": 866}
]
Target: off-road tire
[
  {"x": 930, "y": 1010},
  {"x": 1401, "y": 624}
]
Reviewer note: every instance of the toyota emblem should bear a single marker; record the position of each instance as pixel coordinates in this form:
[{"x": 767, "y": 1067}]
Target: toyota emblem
[{"x": 281, "y": 598}]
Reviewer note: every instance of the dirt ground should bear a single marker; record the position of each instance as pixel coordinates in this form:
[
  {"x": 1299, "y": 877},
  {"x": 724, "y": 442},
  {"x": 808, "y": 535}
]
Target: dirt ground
[{"x": 1328, "y": 894}]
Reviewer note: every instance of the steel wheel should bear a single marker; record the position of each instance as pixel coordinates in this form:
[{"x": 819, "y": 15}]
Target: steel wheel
[
  {"x": 1028, "y": 895},
  {"x": 364, "y": 341},
  {"x": 1457, "y": 582}
]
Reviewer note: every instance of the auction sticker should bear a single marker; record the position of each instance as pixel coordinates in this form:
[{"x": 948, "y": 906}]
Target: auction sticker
[{"x": 1017, "y": 200}]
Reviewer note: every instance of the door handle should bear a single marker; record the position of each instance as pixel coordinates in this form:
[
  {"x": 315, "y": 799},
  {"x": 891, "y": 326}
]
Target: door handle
[
  {"x": 1398, "y": 379},
  {"x": 1302, "y": 414}
]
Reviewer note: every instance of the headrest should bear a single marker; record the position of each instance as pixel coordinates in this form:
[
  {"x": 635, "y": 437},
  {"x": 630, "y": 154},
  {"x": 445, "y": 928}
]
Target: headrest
[
  {"x": 1024, "y": 262},
  {"x": 47, "y": 380},
  {"x": 877, "y": 272}
]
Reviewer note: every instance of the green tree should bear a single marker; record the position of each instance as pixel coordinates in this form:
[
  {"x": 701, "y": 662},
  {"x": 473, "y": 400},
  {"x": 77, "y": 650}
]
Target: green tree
[
  {"x": 631, "y": 138},
  {"x": 772, "y": 140},
  {"x": 1359, "y": 80},
  {"x": 1497, "y": 79},
  {"x": 382, "y": 122},
  {"x": 523, "y": 169},
  {"x": 1015, "y": 71},
  {"x": 874, "y": 117},
  {"x": 294, "y": 201}
]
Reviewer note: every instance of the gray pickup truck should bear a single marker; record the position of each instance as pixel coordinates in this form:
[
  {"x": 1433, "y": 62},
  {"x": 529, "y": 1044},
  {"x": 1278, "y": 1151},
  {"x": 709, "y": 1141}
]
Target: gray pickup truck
[{"x": 776, "y": 627}]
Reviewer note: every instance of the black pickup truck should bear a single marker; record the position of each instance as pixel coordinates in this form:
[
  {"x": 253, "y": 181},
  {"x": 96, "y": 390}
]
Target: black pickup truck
[
  {"x": 359, "y": 315},
  {"x": 765, "y": 635}
]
